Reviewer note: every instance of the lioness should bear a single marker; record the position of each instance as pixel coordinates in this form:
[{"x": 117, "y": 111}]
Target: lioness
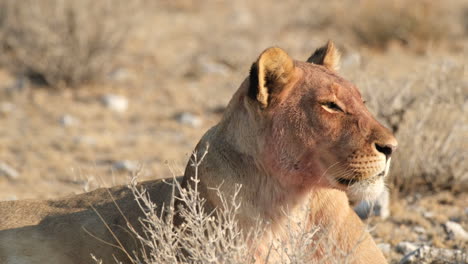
[{"x": 293, "y": 132}]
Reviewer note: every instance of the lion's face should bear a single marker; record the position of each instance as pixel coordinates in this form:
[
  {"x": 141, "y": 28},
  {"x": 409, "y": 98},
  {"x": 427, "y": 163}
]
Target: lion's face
[{"x": 318, "y": 130}]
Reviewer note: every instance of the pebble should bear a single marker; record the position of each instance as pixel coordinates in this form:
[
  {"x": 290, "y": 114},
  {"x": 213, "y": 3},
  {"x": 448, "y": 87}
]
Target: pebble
[
  {"x": 385, "y": 248},
  {"x": 126, "y": 165},
  {"x": 210, "y": 66},
  {"x": 380, "y": 207},
  {"x": 406, "y": 247},
  {"x": 115, "y": 102},
  {"x": 429, "y": 255},
  {"x": 68, "y": 120},
  {"x": 6, "y": 108},
  {"x": 419, "y": 230},
  {"x": 85, "y": 140},
  {"x": 428, "y": 214},
  {"x": 119, "y": 75},
  {"x": 455, "y": 230},
  {"x": 8, "y": 171},
  {"x": 190, "y": 119}
]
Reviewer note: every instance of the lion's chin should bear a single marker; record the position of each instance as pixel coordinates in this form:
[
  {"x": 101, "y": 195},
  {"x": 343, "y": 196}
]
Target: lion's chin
[{"x": 368, "y": 190}]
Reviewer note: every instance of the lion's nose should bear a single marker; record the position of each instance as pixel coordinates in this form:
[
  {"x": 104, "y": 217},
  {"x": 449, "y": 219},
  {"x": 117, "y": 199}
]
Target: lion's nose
[{"x": 386, "y": 149}]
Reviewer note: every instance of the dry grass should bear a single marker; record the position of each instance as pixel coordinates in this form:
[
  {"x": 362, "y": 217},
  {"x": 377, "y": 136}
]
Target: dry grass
[
  {"x": 427, "y": 112},
  {"x": 378, "y": 23},
  {"x": 207, "y": 237},
  {"x": 215, "y": 236},
  {"x": 63, "y": 42}
]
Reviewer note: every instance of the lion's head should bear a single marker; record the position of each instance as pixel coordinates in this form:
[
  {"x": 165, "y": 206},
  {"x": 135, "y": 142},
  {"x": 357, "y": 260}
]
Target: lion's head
[{"x": 312, "y": 126}]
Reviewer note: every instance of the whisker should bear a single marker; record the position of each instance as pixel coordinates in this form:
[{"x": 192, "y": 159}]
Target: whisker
[{"x": 326, "y": 170}]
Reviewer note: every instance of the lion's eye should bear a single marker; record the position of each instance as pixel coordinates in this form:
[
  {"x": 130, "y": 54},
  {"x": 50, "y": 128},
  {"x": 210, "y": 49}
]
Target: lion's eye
[{"x": 332, "y": 107}]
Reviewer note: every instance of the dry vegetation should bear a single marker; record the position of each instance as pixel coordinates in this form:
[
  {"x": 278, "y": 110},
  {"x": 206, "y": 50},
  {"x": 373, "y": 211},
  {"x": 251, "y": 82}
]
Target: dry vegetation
[
  {"x": 379, "y": 23},
  {"x": 61, "y": 43},
  {"x": 215, "y": 237},
  {"x": 190, "y": 57},
  {"x": 206, "y": 237},
  {"x": 428, "y": 114}
]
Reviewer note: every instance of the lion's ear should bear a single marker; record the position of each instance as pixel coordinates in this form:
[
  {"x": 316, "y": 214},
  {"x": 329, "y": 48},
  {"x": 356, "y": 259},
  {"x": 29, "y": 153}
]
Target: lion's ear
[
  {"x": 269, "y": 74},
  {"x": 328, "y": 56}
]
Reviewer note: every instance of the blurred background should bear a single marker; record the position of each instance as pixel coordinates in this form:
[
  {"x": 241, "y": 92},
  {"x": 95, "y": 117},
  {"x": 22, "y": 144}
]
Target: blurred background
[{"x": 93, "y": 91}]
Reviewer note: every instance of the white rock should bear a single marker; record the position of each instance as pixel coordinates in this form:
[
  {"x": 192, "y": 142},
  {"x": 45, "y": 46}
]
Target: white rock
[
  {"x": 190, "y": 119},
  {"x": 68, "y": 120},
  {"x": 6, "y": 107},
  {"x": 406, "y": 247},
  {"x": 85, "y": 140},
  {"x": 380, "y": 207},
  {"x": 126, "y": 165},
  {"x": 115, "y": 102},
  {"x": 430, "y": 255},
  {"x": 384, "y": 247},
  {"x": 8, "y": 171},
  {"x": 456, "y": 231},
  {"x": 210, "y": 66},
  {"x": 428, "y": 214},
  {"x": 419, "y": 230},
  {"x": 119, "y": 75}
]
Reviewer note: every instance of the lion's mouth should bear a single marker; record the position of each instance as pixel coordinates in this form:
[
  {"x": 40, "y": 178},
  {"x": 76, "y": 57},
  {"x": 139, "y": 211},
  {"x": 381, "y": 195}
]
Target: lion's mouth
[{"x": 348, "y": 182}]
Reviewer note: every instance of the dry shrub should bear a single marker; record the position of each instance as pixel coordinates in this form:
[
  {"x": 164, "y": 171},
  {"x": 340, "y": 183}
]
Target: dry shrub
[
  {"x": 427, "y": 112},
  {"x": 215, "y": 237},
  {"x": 433, "y": 133},
  {"x": 63, "y": 42},
  {"x": 207, "y": 237},
  {"x": 378, "y": 22}
]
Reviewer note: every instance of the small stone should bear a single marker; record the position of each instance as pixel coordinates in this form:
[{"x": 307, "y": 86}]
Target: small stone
[
  {"x": 68, "y": 120},
  {"x": 116, "y": 103},
  {"x": 429, "y": 255},
  {"x": 8, "y": 171},
  {"x": 379, "y": 207},
  {"x": 126, "y": 165},
  {"x": 84, "y": 140},
  {"x": 187, "y": 118},
  {"x": 210, "y": 66},
  {"x": 119, "y": 75},
  {"x": 385, "y": 248},
  {"x": 428, "y": 214},
  {"x": 419, "y": 230},
  {"x": 455, "y": 230},
  {"x": 406, "y": 247},
  {"x": 6, "y": 108}
]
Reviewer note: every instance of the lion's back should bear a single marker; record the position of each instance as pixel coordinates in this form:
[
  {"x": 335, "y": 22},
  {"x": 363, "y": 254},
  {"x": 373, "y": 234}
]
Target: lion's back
[{"x": 62, "y": 230}]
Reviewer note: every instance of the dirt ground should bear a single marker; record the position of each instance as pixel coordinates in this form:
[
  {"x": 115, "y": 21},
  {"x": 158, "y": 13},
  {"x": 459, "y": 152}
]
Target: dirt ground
[{"x": 188, "y": 60}]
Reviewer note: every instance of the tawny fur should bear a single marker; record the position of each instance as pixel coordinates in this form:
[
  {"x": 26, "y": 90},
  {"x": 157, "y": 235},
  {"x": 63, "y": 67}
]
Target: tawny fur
[{"x": 280, "y": 138}]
